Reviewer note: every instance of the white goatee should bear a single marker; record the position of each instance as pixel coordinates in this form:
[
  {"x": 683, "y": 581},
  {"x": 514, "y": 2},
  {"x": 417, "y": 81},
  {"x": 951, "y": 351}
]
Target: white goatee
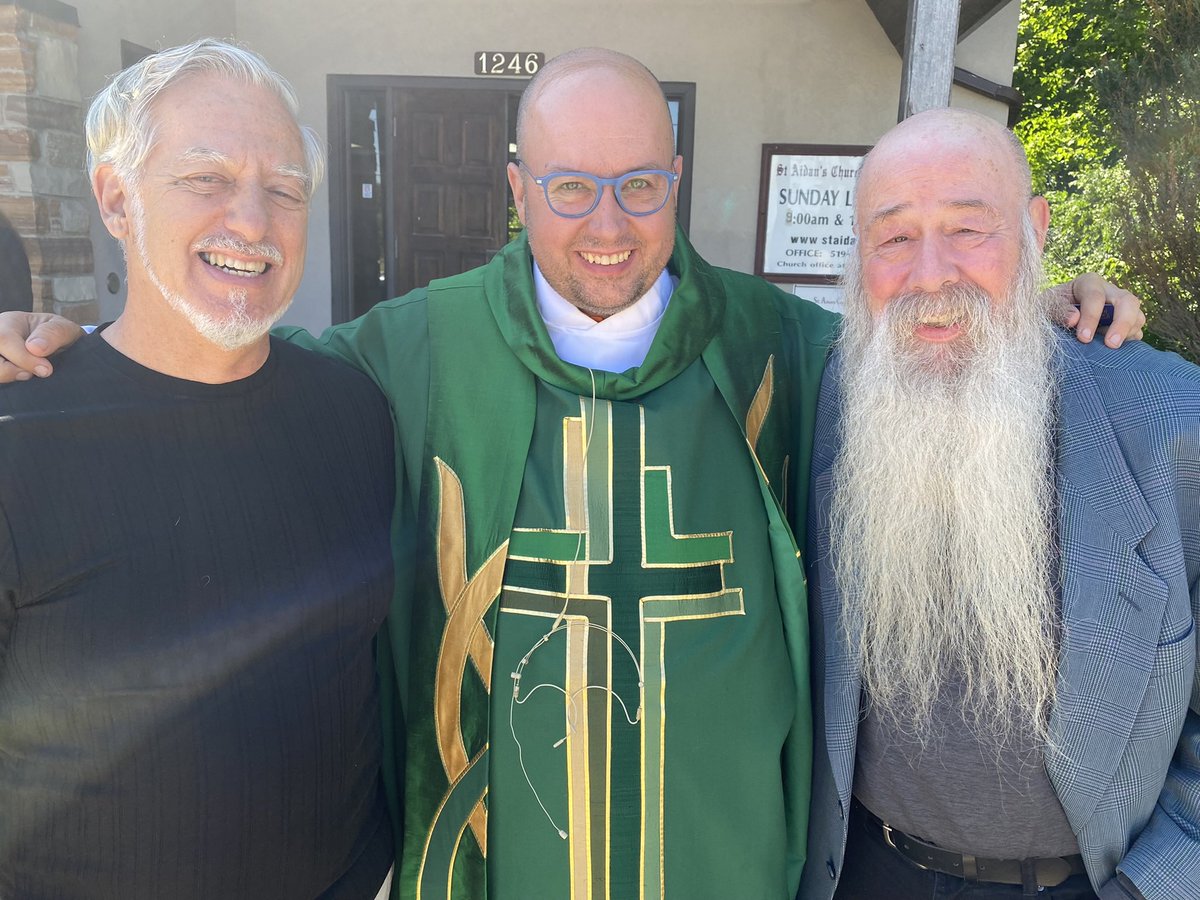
[
  {"x": 237, "y": 327},
  {"x": 942, "y": 515}
]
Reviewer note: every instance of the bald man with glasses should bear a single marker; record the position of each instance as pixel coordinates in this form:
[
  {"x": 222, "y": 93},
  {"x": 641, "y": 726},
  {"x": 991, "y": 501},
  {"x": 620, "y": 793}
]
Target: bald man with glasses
[{"x": 608, "y": 686}]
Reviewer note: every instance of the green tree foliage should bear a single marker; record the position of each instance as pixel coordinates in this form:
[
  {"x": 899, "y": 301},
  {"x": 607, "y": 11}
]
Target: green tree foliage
[
  {"x": 1061, "y": 46},
  {"x": 1153, "y": 102},
  {"x": 1087, "y": 225},
  {"x": 1111, "y": 123}
]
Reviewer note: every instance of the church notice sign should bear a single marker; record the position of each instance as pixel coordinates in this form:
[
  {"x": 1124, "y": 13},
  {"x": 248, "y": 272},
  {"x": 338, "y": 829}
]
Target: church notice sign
[{"x": 806, "y": 211}]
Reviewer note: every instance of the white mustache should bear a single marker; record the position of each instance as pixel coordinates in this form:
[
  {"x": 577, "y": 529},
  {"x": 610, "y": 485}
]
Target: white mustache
[
  {"x": 964, "y": 303},
  {"x": 223, "y": 242}
]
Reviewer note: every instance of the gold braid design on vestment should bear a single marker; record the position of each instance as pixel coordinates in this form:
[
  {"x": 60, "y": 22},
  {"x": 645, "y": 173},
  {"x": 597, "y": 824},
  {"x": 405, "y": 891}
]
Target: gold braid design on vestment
[
  {"x": 465, "y": 636},
  {"x": 761, "y": 404}
]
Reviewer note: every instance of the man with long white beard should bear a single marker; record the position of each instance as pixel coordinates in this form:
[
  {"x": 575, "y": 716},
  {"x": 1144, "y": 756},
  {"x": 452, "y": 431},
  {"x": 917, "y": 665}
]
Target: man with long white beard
[{"x": 1004, "y": 559}]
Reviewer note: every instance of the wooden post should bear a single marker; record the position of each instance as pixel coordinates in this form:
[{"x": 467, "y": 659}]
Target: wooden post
[{"x": 929, "y": 42}]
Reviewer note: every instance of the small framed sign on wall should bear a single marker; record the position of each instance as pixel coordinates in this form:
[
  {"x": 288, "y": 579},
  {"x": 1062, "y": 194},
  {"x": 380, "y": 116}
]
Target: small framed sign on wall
[{"x": 806, "y": 214}]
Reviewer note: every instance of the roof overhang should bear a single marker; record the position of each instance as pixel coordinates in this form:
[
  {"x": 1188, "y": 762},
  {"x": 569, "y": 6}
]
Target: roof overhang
[{"x": 893, "y": 17}]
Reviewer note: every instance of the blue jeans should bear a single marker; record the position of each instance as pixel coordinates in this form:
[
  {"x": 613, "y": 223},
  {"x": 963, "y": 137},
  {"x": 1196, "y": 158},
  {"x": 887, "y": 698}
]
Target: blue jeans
[{"x": 874, "y": 871}]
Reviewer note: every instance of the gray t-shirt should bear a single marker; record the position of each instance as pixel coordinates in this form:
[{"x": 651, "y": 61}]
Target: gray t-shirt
[{"x": 960, "y": 792}]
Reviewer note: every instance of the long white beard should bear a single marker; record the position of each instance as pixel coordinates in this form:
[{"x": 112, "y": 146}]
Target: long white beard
[
  {"x": 943, "y": 509},
  {"x": 237, "y": 328}
]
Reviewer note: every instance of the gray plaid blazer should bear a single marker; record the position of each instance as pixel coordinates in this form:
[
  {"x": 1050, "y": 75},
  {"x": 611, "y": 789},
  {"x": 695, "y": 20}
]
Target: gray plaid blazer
[{"x": 1127, "y": 714}]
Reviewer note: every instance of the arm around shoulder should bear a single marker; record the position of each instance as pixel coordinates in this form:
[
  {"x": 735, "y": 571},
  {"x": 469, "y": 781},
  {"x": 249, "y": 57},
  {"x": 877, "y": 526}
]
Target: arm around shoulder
[
  {"x": 26, "y": 339},
  {"x": 388, "y": 338}
]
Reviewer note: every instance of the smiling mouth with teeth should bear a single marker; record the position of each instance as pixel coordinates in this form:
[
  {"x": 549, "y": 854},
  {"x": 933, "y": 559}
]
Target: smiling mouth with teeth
[
  {"x": 941, "y": 321},
  {"x": 247, "y": 269},
  {"x": 606, "y": 259}
]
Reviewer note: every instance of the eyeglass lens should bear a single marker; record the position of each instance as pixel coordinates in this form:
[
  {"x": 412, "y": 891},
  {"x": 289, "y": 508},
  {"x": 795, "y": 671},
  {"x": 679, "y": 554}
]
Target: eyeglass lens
[{"x": 638, "y": 192}]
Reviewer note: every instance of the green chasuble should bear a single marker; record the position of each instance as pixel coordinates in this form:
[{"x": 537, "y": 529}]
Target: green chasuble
[
  {"x": 640, "y": 519},
  {"x": 596, "y": 664}
]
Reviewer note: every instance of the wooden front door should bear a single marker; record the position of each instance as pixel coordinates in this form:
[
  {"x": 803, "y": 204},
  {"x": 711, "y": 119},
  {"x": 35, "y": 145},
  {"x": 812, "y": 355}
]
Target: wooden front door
[{"x": 451, "y": 196}]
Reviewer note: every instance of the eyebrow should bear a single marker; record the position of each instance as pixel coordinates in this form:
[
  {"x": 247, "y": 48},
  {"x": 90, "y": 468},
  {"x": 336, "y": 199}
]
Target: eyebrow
[
  {"x": 208, "y": 155},
  {"x": 290, "y": 170},
  {"x": 893, "y": 211},
  {"x": 552, "y": 169},
  {"x": 203, "y": 154}
]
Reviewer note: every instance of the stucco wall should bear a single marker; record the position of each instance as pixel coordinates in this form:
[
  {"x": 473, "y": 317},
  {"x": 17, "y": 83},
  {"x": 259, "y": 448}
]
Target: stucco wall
[
  {"x": 989, "y": 51},
  {"x": 801, "y": 71}
]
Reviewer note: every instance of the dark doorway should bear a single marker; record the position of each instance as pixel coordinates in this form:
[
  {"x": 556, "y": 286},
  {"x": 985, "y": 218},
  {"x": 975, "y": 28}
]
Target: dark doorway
[
  {"x": 417, "y": 184},
  {"x": 451, "y": 214}
]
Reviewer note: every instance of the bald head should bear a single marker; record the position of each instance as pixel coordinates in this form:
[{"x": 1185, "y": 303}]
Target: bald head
[
  {"x": 602, "y": 115},
  {"x": 574, "y": 68},
  {"x": 936, "y": 135}
]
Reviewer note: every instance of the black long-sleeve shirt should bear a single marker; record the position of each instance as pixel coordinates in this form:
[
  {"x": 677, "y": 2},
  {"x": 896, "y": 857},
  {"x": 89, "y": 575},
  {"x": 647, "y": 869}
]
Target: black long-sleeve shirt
[{"x": 190, "y": 579}]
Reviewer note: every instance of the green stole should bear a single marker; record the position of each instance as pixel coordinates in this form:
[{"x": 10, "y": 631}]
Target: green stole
[{"x": 485, "y": 359}]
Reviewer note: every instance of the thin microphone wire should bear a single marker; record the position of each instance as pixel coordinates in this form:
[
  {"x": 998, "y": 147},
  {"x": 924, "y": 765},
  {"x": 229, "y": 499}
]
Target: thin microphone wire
[{"x": 558, "y": 625}]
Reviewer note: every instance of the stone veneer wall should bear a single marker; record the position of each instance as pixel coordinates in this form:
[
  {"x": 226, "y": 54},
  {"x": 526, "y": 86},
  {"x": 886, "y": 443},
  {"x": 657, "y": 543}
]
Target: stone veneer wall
[{"x": 44, "y": 190}]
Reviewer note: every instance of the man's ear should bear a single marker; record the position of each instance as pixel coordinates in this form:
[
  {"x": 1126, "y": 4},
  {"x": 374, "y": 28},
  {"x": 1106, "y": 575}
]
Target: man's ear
[
  {"x": 517, "y": 184},
  {"x": 113, "y": 199},
  {"x": 1039, "y": 213}
]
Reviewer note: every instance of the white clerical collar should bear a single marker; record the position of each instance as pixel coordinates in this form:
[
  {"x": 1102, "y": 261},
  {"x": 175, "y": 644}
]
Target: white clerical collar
[{"x": 614, "y": 344}]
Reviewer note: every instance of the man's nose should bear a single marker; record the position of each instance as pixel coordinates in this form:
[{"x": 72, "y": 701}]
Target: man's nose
[
  {"x": 607, "y": 217},
  {"x": 248, "y": 214},
  {"x": 933, "y": 266}
]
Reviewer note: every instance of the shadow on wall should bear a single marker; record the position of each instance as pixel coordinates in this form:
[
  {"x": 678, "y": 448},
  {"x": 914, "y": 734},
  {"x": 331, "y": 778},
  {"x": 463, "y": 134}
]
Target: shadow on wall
[{"x": 16, "y": 283}]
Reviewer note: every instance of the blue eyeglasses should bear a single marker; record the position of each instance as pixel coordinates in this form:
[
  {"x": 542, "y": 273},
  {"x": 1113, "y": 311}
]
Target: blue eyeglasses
[{"x": 574, "y": 195}]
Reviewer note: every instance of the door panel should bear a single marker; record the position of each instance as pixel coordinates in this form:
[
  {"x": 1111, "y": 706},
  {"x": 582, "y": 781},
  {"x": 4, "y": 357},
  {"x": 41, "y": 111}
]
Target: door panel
[{"x": 451, "y": 184}]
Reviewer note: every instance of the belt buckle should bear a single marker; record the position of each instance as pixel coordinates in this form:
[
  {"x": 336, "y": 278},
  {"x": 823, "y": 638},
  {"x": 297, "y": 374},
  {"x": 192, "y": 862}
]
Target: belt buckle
[
  {"x": 905, "y": 851},
  {"x": 887, "y": 836}
]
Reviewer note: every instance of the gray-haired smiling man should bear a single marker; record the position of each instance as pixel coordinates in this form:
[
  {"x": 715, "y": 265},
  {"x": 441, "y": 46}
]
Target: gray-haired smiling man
[
  {"x": 194, "y": 535},
  {"x": 1004, "y": 562}
]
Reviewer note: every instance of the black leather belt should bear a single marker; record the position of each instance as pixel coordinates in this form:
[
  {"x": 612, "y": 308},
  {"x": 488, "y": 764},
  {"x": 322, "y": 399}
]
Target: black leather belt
[{"x": 1043, "y": 872}]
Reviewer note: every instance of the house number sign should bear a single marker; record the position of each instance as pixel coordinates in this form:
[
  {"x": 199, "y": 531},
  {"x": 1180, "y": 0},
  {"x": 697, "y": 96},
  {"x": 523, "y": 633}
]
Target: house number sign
[{"x": 508, "y": 62}]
